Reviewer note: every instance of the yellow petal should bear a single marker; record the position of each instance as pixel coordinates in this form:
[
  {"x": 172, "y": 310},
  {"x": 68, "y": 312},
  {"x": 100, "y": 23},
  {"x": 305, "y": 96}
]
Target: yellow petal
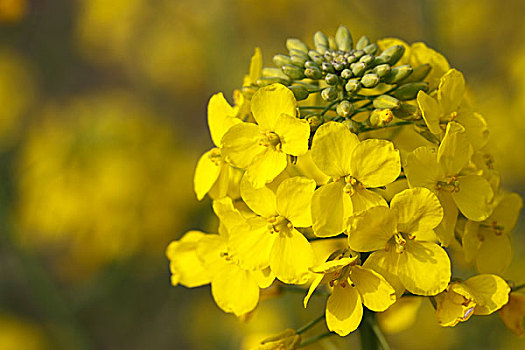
[
  {"x": 264, "y": 277},
  {"x": 491, "y": 292},
  {"x": 330, "y": 205},
  {"x": 315, "y": 283},
  {"x": 386, "y": 263},
  {"x": 431, "y": 111},
  {"x": 451, "y": 90},
  {"x": 376, "y": 293},
  {"x": 370, "y": 230},
  {"x": 332, "y": 148},
  {"x": 269, "y": 102},
  {"x": 420, "y": 54},
  {"x": 455, "y": 151},
  {"x": 494, "y": 253},
  {"x": 221, "y": 117},
  {"x": 261, "y": 200},
  {"x": 294, "y": 200},
  {"x": 453, "y": 307},
  {"x": 400, "y": 316},
  {"x": 291, "y": 257},
  {"x": 266, "y": 167},
  {"x": 256, "y": 64},
  {"x": 507, "y": 211},
  {"x": 422, "y": 169},
  {"x": 512, "y": 313},
  {"x": 475, "y": 127},
  {"x": 418, "y": 210},
  {"x": 470, "y": 240},
  {"x": 364, "y": 199},
  {"x": 206, "y": 173},
  {"x": 185, "y": 264},
  {"x": 424, "y": 268},
  {"x": 211, "y": 249},
  {"x": 375, "y": 163},
  {"x": 474, "y": 197},
  {"x": 241, "y": 144},
  {"x": 332, "y": 265},
  {"x": 445, "y": 231},
  {"x": 228, "y": 215},
  {"x": 221, "y": 187},
  {"x": 293, "y": 133},
  {"x": 344, "y": 310},
  {"x": 252, "y": 243},
  {"x": 305, "y": 166},
  {"x": 235, "y": 290}
]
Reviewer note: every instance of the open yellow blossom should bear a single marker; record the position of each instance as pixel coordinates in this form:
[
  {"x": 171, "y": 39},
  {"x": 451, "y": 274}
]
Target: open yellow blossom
[
  {"x": 262, "y": 149},
  {"x": 513, "y": 312},
  {"x": 270, "y": 238},
  {"x": 353, "y": 285},
  {"x": 354, "y": 167},
  {"x": 401, "y": 238},
  {"x": 447, "y": 106},
  {"x": 478, "y": 295},
  {"x": 212, "y": 172},
  {"x": 488, "y": 242},
  {"x": 441, "y": 172}
]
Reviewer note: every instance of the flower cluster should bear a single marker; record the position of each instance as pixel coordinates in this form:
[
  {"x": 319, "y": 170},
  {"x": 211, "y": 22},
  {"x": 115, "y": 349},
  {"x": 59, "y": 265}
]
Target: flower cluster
[{"x": 366, "y": 186}]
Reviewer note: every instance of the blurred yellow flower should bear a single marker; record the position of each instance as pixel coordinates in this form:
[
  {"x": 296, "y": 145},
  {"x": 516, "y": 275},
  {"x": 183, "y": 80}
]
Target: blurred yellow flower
[
  {"x": 12, "y": 11},
  {"x": 18, "y": 334}
]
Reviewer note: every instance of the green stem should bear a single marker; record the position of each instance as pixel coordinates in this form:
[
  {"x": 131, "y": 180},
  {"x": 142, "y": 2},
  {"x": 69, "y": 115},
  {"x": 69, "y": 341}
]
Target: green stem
[
  {"x": 310, "y": 324},
  {"x": 314, "y": 339},
  {"x": 377, "y": 332},
  {"x": 295, "y": 289},
  {"x": 402, "y": 123},
  {"x": 329, "y": 107},
  {"x": 314, "y": 107},
  {"x": 521, "y": 286}
]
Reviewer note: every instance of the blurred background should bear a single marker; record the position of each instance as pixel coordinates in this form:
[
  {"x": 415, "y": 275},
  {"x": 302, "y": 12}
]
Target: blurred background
[{"x": 103, "y": 117}]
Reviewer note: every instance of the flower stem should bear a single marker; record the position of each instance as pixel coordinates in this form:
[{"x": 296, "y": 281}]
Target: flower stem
[
  {"x": 521, "y": 286},
  {"x": 310, "y": 324},
  {"x": 372, "y": 337},
  {"x": 314, "y": 339}
]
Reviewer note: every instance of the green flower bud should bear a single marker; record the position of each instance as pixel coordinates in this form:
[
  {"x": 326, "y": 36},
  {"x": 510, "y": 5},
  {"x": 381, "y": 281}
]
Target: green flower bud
[
  {"x": 407, "y": 111},
  {"x": 380, "y": 117},
  {"x": 329, "y": 94},
  {"x": 343, "y": 39},
  {"x": 370, "y": 80},
  {"x": 351, "y": 125},
  {"x": 327, "y": 67},
  {"x": 331, "y": 79},
  {"x": 358, "y": 68},
  {"x": 296, "y": 44},
  {"x": 301, "y": 54},
  {"x": 398, "y": 73},
  {"x": 345, "y": 108},
  {"x": 316, "y": 56},
  {"x": 419, "y": 73},
  {"x": 386, "y": 102},
  {"x": 294, "y": 72},
  {"x": 261, "y": 82},
  {"x": 313, "y": 73},
  {"x": 371, "y": 49},
  {"x": 338, "y": 65},
  {"x": 346, "y": 73},
  {"x": 358, "y": 53},
  {"x": 281, "y": 60},
  {"x": 352, "y": 85},
  {"x": 299, "y": 91},
  {"x": 409, "y": 91},
  {"x": 392, "y": 54},
  {"x": 273, "y": 72},
  {"x": 315, "y": 121},
  {"x": 298, "y": 61},
  {"x": 381, "y": 70},
  {"x": 311, "y": 64},
  {"x": 367, "y": 59},
  {"x": 321, "y": 42},
  {"x": 362, "y": 43}
]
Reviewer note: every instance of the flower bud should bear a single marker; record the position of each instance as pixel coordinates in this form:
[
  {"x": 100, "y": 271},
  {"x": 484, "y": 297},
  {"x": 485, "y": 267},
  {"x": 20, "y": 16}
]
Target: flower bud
[
  {"x": 345, "y": 108},
  {"x": 343, "y": 39},
  {"x": 362, "y": 43},
  {"x": 346, "y": 73},
  {"x": 281, "y": 60},
  {"x": 331, "y": 79},
  {"x": 311, "y": 64},
  {"x": 407, "y": 111},
  {"x": 370, "y": 80},
  {"x": 320, "y": 42},
  {"x": 381, "y": 70},
  {"x": 294, "y": 72},
  {"x": 315, "y": 121},
  {"x": 367, "y": 59},
  {"x": 352, "y": 125},
  {"x": 329, "y": 94},
  {"x": 263, "y": 81},
  {"x": 352, "y": 86},
  {"x": 419, "y": 73},
  {"x": 313, "y": 73},
  {"x": 298, "y": 61},
  {"x": 316, "y": 56},
  {"x": 409, "y": 91},
  {"x": 327, "y": 67},
  {"x": 287, "y": 340},
  {"x": 380, "y": 117},
  {"x": 300, "y": 92},
  {"x": 391, "y": 55},
  {"x": 358, "y": 68},
  {"x": 386, "y": 102},
  {"x": 370, "y": 49},
  {"x": 273, "y": 72},
  {"x": 398, "y": 73},
  {"x": 296, "y": 44},
  {"x": 358, "y": 53}
]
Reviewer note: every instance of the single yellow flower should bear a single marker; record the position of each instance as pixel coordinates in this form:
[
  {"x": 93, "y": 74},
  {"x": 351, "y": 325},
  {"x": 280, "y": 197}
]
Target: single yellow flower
[
  {"x": 402, "y": 240},
  {"x": 262, "y": 148},
  {"x": 488, "y": 242},
  {"x": 441, "y": 172},
  {"x": 270, "y": 238},
  {"x": 447, "y": 106},
  {"x": 353, "y": 286},
  {"x": 479, "y": 295},
  {"x": 354, "y": 167}
]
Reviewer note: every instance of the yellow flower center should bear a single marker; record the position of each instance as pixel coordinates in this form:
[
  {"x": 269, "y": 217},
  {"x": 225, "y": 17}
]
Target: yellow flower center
[
  {"x": 352, "y": 185},
  {"x": 450, "y": 185},
  {"x": 270, "y": 139},
  {"x": 278, "y": 224},
  {"x": 215, "y": 156}
]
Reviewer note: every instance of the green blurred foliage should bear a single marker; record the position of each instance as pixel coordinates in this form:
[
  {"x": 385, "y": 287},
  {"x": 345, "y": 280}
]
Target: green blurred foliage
[{"x": 102, "y": 118}]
